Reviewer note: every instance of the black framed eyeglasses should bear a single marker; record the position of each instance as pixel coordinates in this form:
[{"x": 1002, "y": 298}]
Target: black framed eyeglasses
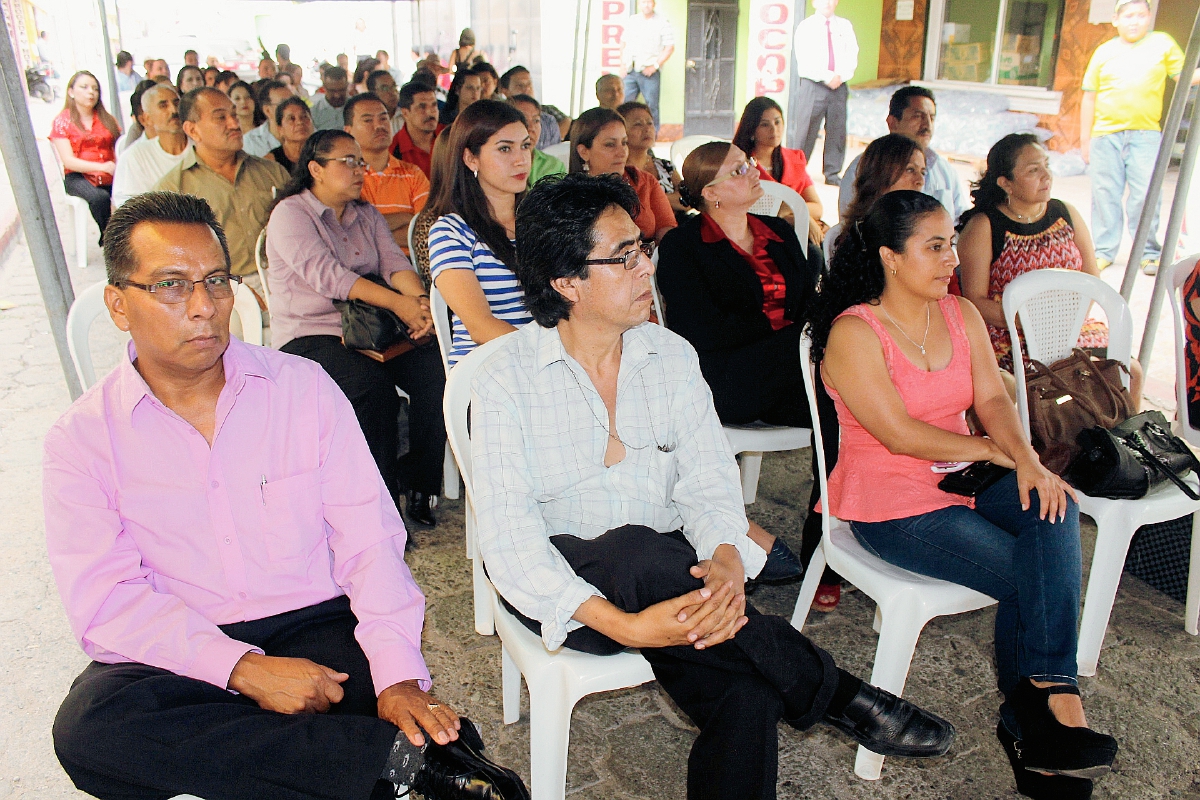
[
  {"x": 178, "y": 290},
  {"x": 628, "y": 260}
]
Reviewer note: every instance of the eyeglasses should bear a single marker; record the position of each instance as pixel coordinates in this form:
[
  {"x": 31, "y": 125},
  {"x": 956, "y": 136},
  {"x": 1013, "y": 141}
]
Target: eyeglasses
[
  {"x": 353, "y": 162},
  {"x": 178, "y": 290},
  {"x": 749, "y": 164},
  {"x": 630, "y": 259}
]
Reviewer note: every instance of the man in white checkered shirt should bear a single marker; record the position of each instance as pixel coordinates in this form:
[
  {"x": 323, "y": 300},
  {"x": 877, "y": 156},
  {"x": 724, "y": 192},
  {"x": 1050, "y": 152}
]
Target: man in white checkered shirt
[{"x": 609, "y": 507}]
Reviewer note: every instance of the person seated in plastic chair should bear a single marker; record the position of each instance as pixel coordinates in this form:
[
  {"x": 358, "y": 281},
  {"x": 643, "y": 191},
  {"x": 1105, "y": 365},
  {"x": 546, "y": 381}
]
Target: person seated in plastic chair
[
  {"x": 903, "y": 361},
  {"x": 230, "y": 559},
  {"x": 610, "y": 512}
]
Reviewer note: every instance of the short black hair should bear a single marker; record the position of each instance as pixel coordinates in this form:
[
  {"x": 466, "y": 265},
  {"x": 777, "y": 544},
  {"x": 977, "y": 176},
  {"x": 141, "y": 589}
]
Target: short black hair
[
  {"x": 374, "y": 77},
  {"x": 187, "y": 103},
  {"x": 353, "y": 102},
  {"x": 120, "y": 260},
  {"x": 902, "y": 96},
  {"x": 507, "y": 77},
  {"x": 262, "y": 90},
  {"x": 228, "y": 75},
  {"x": 524, "y": 98},
  {"x": 283, "y": 51},
  {"x": 335, "y": 73},
  {"x": 410, "y": 90},
  {"x": 124, "y": 57},
  {"x": 282, "y": 108},
  {"x": 555, "y": 234}
]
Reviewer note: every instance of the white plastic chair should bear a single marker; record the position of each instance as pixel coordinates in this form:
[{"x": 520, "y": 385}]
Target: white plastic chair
[
  {"x": 827, "y": 245},
  {"x": 556, "y": 679},
  {"x": 561, "y": 151},
  {"x": 80, "y": 214},
  {"x": 89, "y": 304},
  {"x": 904, "y": 601},
  {"x": 748, "y": 441},
  {"x": 260, "y": 264},
  {"x": 680, "y": 148},
  {"x": 1052, "y": 305},
  {"x": 412, "y": 226}
]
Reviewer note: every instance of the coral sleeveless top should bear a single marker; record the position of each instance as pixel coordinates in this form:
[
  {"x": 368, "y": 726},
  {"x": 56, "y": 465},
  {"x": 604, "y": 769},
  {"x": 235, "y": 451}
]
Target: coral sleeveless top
[{"x": 870, "y": 484}]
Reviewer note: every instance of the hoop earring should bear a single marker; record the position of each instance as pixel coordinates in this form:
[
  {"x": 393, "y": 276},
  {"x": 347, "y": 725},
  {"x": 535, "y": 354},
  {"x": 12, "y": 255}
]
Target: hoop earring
[{"x": 893, "y": 273}]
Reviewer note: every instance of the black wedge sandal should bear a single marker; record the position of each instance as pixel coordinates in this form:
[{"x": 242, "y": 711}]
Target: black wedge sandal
[
  {"x": 1035, "y": 784},
  {"x": 1049, "y": 746}
]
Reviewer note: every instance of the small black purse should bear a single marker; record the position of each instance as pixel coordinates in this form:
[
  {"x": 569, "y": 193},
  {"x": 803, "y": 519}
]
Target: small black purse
[
  {"x": 1129, "y": 460},
  {"x": 974, "y": 479},
  {"x": 376, "y": 332}
]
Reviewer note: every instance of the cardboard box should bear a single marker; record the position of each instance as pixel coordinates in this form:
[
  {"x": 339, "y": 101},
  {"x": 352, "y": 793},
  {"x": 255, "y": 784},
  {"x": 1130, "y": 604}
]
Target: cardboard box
[
  {"x": 1019, "y": 65},
  {"x": 964, "y": 53},
  {"x": 956, "y": 33},
  {"x": 1027, "y": 45},
  {"x": 961, "y": 72}
]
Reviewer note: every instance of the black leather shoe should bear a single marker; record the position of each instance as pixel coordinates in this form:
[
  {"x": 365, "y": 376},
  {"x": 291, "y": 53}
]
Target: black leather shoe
[
  {"x": 783, "y": 566},
  {"x": 460, "y": 771},
  {"x": 420, "y": 510},
  {"x": 1050, "y": 746},
  {"x": 1035, "y": 784},
  {"x": 891, "y": 726}
]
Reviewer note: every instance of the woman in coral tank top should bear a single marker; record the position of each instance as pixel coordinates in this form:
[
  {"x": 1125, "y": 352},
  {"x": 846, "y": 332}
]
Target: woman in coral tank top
[{"x": 903, "y": 362}]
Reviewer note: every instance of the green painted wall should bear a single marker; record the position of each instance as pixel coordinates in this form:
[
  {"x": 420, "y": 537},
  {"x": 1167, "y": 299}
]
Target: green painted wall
[{"x": 867, "y": 18}]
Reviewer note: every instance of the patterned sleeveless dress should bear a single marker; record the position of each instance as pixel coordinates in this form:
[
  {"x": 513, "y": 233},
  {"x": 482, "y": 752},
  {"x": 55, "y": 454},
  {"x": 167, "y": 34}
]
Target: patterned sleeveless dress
[
  {"x": 1191, "y": 347},
  {"x": 1017, "y": 248}
]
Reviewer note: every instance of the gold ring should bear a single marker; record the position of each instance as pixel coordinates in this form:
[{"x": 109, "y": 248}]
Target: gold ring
[{"x": 432, "y": 706}]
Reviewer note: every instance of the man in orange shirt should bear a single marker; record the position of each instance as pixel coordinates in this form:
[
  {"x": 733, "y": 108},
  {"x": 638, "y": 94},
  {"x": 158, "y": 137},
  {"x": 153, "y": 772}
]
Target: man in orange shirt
[
  {"x": 414, "y": 142},
  {"x": 396, "y": 188}
]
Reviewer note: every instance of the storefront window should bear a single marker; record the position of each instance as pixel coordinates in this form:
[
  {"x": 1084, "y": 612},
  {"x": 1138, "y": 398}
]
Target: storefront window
[{"x": 1026, "y": 45}]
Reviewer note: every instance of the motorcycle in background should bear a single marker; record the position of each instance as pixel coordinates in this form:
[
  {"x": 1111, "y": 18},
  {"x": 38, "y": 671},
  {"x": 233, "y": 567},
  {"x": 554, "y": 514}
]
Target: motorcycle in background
[{"x": 37, "y": 79}]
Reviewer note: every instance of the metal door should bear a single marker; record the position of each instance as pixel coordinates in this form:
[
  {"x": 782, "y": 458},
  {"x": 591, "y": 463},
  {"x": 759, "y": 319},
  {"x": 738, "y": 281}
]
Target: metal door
[{"x": 710, "y": 68}]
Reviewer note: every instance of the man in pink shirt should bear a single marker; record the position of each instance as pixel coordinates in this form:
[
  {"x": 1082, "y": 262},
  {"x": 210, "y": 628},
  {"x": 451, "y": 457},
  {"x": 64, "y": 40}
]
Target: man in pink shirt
[{"x": 230, "y": 559}]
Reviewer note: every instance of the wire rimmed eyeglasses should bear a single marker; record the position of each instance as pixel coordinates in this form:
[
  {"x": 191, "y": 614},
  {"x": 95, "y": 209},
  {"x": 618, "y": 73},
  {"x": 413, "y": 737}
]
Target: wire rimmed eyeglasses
[
  {"x": 178, "y": 290},
  {"x": 353, "y": 162},
  {"x": 628, "y": 259},
  {"x": 747, "y": 165}
]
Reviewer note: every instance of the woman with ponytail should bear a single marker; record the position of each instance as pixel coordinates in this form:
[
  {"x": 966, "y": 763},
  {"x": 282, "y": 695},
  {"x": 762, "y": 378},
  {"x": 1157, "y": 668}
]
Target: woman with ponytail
[
  {"x": 736, "y": 285},
  {"x": 903, "y": 362},
  {"x": 324, "y": 243}
]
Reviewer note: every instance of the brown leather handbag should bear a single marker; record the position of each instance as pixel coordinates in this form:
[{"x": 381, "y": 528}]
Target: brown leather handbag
[{"x": 1071, "y": 395}]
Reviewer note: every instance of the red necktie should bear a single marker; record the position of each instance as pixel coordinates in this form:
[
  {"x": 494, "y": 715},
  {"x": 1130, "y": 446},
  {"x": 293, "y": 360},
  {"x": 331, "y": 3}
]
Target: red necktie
[{"x": 829, "y": 34}]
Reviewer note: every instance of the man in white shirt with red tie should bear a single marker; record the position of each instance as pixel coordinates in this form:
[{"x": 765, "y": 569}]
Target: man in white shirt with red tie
[{"x": 826, "y": 57}]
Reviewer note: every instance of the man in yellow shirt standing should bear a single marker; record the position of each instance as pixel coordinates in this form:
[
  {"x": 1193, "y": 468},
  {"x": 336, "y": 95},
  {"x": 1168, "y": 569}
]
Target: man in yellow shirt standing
[{"x": 1119, "y": 125}]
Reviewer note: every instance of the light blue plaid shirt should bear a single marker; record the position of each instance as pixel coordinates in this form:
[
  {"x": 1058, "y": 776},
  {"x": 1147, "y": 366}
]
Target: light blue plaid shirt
[{"x": 538, "y": 449}]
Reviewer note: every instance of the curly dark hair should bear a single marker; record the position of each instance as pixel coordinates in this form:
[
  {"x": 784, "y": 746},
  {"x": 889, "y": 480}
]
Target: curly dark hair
[
  {"x": 1001, "y": 160},
  {"x": 555, "y": 225},
  {"x": 856, "y": 270}
]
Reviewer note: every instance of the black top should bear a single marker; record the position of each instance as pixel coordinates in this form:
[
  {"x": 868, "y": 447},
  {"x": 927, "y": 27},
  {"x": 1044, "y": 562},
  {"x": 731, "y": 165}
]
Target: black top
[
  {"x": 1002, "y": 224},
  {"x": 283, "y": 160},
  {"x": 713, "y": 298}
]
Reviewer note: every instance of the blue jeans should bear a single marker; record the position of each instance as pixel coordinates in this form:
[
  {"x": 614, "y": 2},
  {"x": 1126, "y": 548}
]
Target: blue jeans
[
  {"x": 1032, "y": 567},
  {"x": 636, "y": 82},
  {"x": 1124, "y": 158}
]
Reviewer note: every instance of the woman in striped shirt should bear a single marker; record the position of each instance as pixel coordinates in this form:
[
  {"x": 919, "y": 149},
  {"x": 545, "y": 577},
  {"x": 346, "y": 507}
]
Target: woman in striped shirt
[{"x": 471, "y": 253}]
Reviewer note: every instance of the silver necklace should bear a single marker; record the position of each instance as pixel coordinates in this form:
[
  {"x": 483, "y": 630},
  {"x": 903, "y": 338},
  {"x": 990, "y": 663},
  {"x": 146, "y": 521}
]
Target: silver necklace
[
  {"x": 924, "y": 338},
  {"x": 1022, "y": 217},
  {"x": 664, "y": 448}
]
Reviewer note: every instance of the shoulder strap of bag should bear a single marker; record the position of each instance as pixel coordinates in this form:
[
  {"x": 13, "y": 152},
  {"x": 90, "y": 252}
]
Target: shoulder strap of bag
[
  {"x": 1084, "y": 401},
  {"x": 1155, "y": 463}
]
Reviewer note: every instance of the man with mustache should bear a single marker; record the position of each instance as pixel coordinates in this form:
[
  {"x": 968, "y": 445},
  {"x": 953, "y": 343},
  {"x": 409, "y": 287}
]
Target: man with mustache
[
  {"x": 414, "y": 142},
  {"x": 912, "y": 112},
  {"x": 238, "y": 186},
  {"x": 146, "y": 161}
]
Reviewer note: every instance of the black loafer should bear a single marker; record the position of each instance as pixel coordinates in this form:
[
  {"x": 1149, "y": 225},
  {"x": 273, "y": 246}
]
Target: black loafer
[
  {"x": 460, "y": 771},
  {"x": 891, "y": 726},
  {"x": 419, "y": 509},
  {"x": 783, "y": 566}
]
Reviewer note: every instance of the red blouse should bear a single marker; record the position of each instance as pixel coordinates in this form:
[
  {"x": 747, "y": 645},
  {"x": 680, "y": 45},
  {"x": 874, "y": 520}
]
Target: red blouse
[
  {"x": 774, "y": 287},
  {"x": 656, "y": 208},
  {"x": 795, "y": 170},
  {"x": 96, "y": 144}
]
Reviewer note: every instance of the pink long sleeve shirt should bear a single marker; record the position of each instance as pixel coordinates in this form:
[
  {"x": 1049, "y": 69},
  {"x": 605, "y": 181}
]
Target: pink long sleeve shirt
[{"x": 155, "y": 538}]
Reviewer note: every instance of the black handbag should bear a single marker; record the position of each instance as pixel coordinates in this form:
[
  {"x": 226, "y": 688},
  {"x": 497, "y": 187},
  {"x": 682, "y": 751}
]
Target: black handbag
[
  {"x": 971, "y": 481},
  {"x": 1131, "y": 459},
  {"x": 376, "y": 331}
]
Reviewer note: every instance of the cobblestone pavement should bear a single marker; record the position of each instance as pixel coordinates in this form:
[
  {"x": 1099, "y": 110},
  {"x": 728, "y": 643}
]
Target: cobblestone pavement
[{"x": 629, "y": 744}]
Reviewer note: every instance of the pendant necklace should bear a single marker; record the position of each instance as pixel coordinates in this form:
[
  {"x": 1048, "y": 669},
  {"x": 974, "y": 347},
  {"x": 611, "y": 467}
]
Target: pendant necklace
[{"x": 924, "y": 338}]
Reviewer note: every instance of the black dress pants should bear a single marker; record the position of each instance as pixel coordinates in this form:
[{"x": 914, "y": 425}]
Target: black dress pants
[
  {"x": 134, "y": 732},
  {"x": 762, "y": 381},
  {"x": 371, "y": 388},
  {"x": 735, "y": 692},
  {"x": 98, "y": 198}
]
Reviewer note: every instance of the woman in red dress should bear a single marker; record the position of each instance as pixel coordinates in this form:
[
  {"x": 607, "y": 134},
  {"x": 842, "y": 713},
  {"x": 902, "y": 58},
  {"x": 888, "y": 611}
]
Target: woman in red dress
[{"x": 84, "y": 135}]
